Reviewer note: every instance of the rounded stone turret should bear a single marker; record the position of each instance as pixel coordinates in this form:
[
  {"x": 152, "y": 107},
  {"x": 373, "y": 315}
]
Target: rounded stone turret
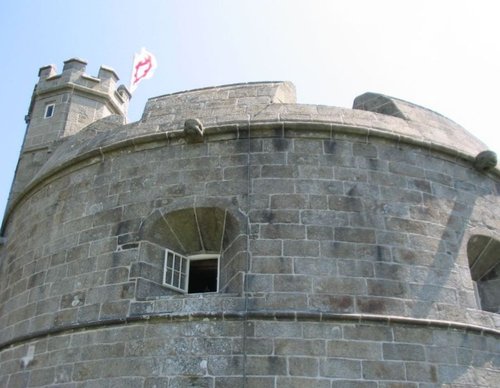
[{"x": 233, "y": 237}]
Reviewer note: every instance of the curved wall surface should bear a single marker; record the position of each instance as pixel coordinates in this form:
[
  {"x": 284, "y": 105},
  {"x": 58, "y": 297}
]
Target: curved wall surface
[{"x": 342, "y": 238}]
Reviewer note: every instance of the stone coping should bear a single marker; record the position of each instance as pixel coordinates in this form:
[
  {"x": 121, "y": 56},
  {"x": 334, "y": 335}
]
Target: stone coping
[{"x": 289, "y": 316}]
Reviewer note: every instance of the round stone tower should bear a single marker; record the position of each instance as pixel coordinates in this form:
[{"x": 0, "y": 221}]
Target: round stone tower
[{"x": 234, "y": 238}]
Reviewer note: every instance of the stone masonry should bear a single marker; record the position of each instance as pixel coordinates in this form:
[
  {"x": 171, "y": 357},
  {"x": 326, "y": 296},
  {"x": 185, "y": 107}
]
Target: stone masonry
[{"x": 355, "y": 247}]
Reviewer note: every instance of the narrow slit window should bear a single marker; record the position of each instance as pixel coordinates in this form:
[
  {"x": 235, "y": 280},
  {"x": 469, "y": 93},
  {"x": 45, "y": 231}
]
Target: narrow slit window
[
  {"x": 191, "y": 274},
  {"x": 49, "y": 111}
]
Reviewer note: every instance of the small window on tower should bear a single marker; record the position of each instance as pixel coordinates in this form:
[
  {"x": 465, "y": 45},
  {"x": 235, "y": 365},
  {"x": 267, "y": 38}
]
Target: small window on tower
[
  {"x": 191, "y": 274},
  {"x": 49, "y": 111}
]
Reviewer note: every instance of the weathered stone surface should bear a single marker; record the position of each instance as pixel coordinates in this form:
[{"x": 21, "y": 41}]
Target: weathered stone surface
[{"x": 345, "y": 242}]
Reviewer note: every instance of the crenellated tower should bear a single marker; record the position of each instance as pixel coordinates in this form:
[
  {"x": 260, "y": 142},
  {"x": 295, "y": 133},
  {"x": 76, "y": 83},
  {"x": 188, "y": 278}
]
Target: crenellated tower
[{"x": 62, "y": 105}]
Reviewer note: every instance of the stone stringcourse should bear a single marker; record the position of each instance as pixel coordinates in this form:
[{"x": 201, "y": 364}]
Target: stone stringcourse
[{"x": 356, "y": 247}]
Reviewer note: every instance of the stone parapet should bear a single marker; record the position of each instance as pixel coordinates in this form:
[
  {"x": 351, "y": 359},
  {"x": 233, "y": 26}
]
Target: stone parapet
[{"x": 221, "y": 101}]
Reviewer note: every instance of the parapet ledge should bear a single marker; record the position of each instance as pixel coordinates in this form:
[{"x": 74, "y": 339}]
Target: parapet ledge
[
  {"x": 379, "y": 103},
  {"x": 391, "y": 106},
  {"x": 432, "y": 126},
  {"x": 225, "y": 98}
]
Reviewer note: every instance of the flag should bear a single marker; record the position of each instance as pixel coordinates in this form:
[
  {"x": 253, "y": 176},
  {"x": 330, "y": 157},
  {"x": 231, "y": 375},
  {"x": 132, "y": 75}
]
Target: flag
[{"x": 144, "y": 66}]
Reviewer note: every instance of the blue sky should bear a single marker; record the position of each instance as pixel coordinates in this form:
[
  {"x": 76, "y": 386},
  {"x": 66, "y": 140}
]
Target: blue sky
[{"x": 444, "y": 55}]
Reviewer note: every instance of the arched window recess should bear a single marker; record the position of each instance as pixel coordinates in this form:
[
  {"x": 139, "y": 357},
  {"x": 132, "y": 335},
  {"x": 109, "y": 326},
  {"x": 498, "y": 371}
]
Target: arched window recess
[{"x": 202, "y": 249}]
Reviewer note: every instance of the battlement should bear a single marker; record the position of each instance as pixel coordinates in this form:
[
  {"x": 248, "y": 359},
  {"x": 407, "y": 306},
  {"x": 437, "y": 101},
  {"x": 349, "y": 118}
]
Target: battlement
[
  {"x": 63, "y": 104},
  {"x": 74, "y": 76}
]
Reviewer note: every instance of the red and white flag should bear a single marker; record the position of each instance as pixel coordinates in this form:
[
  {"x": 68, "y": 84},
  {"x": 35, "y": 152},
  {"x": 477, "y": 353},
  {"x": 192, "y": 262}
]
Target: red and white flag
[{"x": 144, "y": 66}]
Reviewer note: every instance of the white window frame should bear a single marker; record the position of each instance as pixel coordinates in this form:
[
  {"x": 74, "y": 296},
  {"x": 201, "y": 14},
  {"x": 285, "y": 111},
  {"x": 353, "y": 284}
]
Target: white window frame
[
  {"x": 47, "y": 107},
  {"x": 176, "y": 273}
]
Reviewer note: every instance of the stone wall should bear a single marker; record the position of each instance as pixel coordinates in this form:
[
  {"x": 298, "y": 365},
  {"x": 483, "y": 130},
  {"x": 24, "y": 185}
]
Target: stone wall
[
  {"x": 258, "y": 353},
  {"x": 343, "y": 259}
]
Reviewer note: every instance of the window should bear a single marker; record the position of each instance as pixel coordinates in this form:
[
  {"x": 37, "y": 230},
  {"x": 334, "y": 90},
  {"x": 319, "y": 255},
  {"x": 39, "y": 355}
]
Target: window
[
  {"x": 484, "y": 263},
  {"x": 191, "y": 274},
  {"x": 49, "y": 111},
  {"x": 173, "y": 243}
]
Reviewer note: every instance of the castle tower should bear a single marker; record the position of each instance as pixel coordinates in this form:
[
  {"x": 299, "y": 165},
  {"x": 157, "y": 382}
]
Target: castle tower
[
  {"x": 235, "y": 238},
  {"x": 62, "y": 105}
]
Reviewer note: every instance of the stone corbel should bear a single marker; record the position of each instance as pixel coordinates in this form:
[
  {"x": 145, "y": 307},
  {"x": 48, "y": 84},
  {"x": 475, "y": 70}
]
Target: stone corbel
[
  {"x": 485, "y": 161},
  {"x": 193, "y": 128}
]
